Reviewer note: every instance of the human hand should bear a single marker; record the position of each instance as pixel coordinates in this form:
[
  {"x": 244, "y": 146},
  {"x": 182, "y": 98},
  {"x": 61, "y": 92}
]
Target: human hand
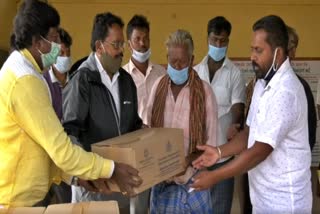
[
  {"x": 233, "y": 130},
  {"x": 126, "y": 177},
  {"x": 101, "y": 185},
  {"x": 209, "y": 157},
  {"x": 144, "y": 126},
  {"x": 203, "y": 180},
  {"x": 98, "y": 185}
]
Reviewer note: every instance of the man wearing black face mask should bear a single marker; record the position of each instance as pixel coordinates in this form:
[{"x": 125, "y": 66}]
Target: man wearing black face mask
[
  {"x": 100, "y": 102},
  {"x": 273, "y": 147}
]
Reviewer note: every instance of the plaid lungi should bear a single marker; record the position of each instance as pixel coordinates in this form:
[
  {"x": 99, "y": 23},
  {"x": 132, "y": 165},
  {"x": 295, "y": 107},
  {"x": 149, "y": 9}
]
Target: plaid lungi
[{"x": 173, "y": 198}]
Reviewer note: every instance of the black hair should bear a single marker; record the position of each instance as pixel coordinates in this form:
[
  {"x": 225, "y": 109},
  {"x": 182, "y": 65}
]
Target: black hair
[
  {"x": 219, "y": 24},
  {"x": 137, "y": 21},
  {"x": 277, "y": 34},
  {"x": 102, "y": 23},
  {"x": 34, "y": 19},
  {"x": 65, "y": 37},
  {"x": 12, "y": 42}
]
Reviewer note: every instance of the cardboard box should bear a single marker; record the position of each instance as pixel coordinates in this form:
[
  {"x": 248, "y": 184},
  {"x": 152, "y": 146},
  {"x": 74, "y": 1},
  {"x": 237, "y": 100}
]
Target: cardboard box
[
  {"x": 158, "y": 154},
  {"x": 23, "y": 210},
  {"x": 93, "y": 207}
]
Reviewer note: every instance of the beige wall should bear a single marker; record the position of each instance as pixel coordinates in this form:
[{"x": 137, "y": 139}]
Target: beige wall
[
  {"x": 166, "y": 16},
  {"x": 8, "y": 9}
]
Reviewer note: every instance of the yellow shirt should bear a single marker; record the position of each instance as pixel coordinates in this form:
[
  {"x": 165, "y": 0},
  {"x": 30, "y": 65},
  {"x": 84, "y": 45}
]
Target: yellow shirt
[{"x": 32, "y": 140}]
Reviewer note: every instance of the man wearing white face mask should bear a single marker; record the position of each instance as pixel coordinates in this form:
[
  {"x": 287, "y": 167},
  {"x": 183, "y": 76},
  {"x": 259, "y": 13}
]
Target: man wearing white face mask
[
  {"x": 57, "y": 76},
  {"x": 143, "y": 72},
  {"x": 229, "y": 87}
]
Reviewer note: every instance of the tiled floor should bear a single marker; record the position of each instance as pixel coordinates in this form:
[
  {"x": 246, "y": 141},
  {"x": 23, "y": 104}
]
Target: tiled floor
[{"x": 316, "y": 199}]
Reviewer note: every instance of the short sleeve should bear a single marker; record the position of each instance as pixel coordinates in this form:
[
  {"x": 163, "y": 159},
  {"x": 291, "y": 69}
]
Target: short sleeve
[{"x": 276, "y": 117}]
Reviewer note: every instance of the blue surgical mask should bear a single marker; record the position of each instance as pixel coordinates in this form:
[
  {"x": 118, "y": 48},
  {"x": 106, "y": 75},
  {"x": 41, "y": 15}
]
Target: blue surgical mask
[
  {"x": 217, "y": 54},
  {"x": 178, "y": 76}
]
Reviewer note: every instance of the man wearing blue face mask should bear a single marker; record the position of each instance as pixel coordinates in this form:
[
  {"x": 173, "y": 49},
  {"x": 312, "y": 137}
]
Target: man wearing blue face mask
[
  {"x": 182, "y": 100},
  {"x": 229, "y": 87},
  {"x": 57, "y": 76},
  {"x": 143, "y": 71}
]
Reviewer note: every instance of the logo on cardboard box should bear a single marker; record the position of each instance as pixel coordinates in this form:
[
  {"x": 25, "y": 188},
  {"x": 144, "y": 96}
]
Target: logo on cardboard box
[{"x": 145, "y": 153}]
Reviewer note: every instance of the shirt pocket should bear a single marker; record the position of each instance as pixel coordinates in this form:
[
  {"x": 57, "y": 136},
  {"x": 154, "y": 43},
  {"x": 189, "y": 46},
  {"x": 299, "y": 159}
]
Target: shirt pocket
[
  {"x": 260, "y": 115},
  {"x": 222, "y": 95}
]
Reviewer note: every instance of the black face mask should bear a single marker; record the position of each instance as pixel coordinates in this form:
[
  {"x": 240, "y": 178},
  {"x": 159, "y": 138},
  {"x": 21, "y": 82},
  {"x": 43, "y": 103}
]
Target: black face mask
[
  {"x": 272, "y": 70},
  {"x": 109, "y": 63},
  {"x": 269, "y": 76}
]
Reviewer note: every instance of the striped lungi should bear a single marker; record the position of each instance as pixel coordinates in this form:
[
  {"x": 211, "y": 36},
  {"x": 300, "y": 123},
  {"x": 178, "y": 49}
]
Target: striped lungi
[{"x": 173, "y": 198}]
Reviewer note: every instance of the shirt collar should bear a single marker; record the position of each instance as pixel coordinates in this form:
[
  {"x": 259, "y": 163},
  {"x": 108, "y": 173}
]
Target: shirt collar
[
  {"x": 284, "y": 68},
  {"x": 26, "y": 53},
  {"x": 102, "y": 71},
  {"x": 132, "y": 68},
  {"x": 54, "y": 78},
  {"x": 225, "y": 63}
]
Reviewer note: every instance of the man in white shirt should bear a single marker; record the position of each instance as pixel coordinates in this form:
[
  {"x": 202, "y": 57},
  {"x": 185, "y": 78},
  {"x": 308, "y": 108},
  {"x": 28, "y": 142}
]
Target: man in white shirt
[
  {"x": 274, "y": 145},
  {"x": 142, "y": 70},
  {"x": 228, "y": 85}
]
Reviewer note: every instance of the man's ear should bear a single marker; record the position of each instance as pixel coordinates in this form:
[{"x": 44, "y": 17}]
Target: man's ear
[
  {"x": 281, "y": 55},
  {"x": 129, "y": 46},
  {"x": 98, "y": 45},
  {"x": 191, "y": 61},
  {"x": 36, "y": 42}
]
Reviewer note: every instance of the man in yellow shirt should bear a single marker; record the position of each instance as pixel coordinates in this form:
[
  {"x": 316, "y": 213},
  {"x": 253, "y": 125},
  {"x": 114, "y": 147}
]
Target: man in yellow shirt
[{"x": 34, "y": 149}]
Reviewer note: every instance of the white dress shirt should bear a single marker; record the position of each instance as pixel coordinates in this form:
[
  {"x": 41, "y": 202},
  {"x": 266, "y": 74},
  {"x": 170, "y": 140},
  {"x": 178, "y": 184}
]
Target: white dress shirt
[
  {"x": 112, "y": 85},
  {"x": 228, "y": 86},
  {"x": 54, "y": 78},
  {"x": 278, "y": 117}
]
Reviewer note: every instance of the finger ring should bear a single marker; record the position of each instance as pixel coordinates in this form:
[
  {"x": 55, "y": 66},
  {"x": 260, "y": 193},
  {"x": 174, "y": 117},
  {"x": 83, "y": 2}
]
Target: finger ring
[{"x": 124, "y": 193}]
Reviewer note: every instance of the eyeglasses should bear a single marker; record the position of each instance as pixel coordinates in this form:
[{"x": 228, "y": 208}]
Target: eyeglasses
[{"x": 116, "y": 45}]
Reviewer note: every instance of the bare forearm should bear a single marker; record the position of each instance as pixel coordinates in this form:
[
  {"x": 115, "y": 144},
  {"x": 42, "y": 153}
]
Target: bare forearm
[
  {"x": 247, "y": 160},
  {"x": 236, "y": 145},
  {"x": 237, "y": 113}
]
